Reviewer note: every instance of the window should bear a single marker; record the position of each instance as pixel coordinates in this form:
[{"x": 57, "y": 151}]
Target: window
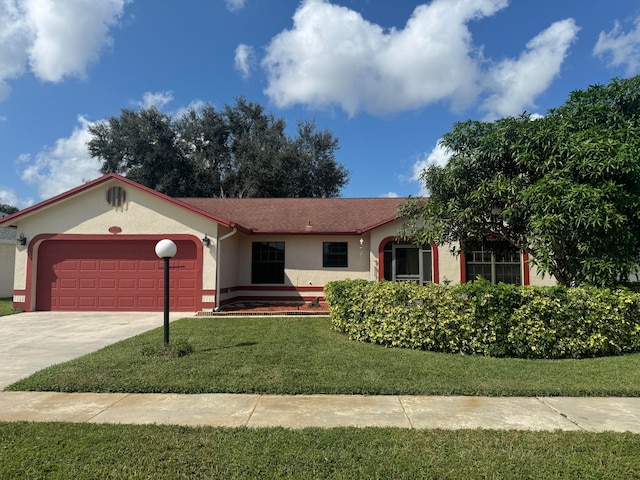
[
  {"x": 501, "y": 266},
  {"x": 267, "y": 262},
  {"x": 334, "y": 254}
]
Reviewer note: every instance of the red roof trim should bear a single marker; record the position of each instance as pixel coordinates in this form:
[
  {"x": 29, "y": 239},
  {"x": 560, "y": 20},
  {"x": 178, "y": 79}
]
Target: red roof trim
[{"x": 106, "y": 178}]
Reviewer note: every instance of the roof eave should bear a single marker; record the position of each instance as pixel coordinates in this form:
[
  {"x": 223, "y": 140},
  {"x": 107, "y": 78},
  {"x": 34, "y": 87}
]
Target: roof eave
[{"x": 7, "y": 221}]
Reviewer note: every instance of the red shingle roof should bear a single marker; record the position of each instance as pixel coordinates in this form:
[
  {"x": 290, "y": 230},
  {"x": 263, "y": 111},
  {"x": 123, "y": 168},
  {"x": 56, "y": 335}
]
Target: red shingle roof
[{"x": 301, "y": 215}]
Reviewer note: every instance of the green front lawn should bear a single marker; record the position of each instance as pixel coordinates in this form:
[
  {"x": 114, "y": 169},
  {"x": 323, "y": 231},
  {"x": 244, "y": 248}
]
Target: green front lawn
[
  {"x": 63, "y": 451},
  {"x": 6, "y": 307},
  {"x": 304, "y": 356}
]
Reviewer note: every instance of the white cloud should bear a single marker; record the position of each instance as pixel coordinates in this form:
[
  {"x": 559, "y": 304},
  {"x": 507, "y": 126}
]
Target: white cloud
[
  {"x": 244, "y": 59},
  {"x": 54, "y": 38},
  {"x": 516, "y": 83},
  {"x": 9, "y": 197},
  {"x": 154, "y": 99},
  {"x": 332, "y": 56},
  {"x": 65, "y": 166},
  {"x": 235, "y": 5},
  {"x": 438, "y": 156},
  {"x": 196, "y": 105},
  {"x": 623, "y": 48},
  {"x": 15, "y": 38},
  {"x": 390, "y": 195}
]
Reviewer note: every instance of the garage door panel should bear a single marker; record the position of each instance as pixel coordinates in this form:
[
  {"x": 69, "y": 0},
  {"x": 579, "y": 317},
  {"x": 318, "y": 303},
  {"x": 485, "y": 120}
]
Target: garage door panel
[
  {"x": 127, "y": 283},
  {"x": 149, "y": 284},
  {"x": 148, "y": 303},
  {"x": 104, "y": 302},
  {"x": 89, "y": 265},
  {"x": 150, "y": 265},
  {"x": 107, "y": 283},
  {"x": 186, "y": 283},
  {"x": 106, "y": 265},
  {"x": 70, "y": 303},
  {"x": 69, "y": 283},
  {"x": 114, "y": 275},
  {"x": 127, "y": 265},
  {"x": 88, "y": 283},
  {"x": 69, "y": 265},
  {"x": 87, "y": 302}
]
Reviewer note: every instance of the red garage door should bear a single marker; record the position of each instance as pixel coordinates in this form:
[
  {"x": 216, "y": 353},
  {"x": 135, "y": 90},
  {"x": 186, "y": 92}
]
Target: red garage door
[{"x": 124, "y": 275}]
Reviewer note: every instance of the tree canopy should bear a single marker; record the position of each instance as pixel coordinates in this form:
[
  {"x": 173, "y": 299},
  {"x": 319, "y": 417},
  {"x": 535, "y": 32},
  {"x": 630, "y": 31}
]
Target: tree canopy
[
  {"x": 564, "y": 188},
  {"x": 239, "y": 151},
  {"x": 8, "y": 209}
]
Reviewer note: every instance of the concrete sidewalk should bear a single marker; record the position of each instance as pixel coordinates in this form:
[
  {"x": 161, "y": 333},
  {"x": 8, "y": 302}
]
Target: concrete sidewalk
[
  {"x": 326, "y": 411},
  {"x": 32, "y": 341}
]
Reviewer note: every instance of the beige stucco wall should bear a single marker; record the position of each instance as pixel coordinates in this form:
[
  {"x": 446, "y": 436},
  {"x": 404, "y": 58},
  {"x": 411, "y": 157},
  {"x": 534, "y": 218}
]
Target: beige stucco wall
[
  {"x": 538, "y": 280},
  {"x": 228, "y": 256},
  {"x": 7, "y": 262},
  {"x": 89, "y": 213},
  {"x": 303, "y": 259}
]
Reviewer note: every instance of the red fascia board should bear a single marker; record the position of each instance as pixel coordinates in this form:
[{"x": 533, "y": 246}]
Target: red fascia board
[
  {"x": 377, "y": 225},
  {"x": 105, "y": 178},
  {"x": 302, "y": 232}
]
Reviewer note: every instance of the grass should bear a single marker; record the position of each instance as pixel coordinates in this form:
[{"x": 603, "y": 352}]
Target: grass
[
  {"x": 304, "y": 356},
  {"x": 6, "y": 307},
  {"x": 82, "y": 451}
]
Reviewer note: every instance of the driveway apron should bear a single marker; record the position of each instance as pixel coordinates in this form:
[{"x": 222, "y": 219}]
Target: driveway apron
[{"x": 32, "y": 341}]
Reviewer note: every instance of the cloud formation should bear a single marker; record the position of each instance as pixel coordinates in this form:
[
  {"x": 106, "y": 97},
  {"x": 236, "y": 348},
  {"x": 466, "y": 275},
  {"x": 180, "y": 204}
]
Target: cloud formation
[
  {"x": 9, "y": 197},
  {"x": 622, "y": 49},
  {"x": 154, "y": 99},
  {"x": 53, "y": 39},
  {"x": 65, "y": 166},
  {"x": 438, "y": 156},
  {"x": 333, "y": 56},
  {"x": 516, "y": 83},
  {"x": 244, "y": 59},
  {"x": 235, "y": 5}
]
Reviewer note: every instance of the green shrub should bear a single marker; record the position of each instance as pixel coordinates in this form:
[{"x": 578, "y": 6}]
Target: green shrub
[{"x": 491, "y": 320}]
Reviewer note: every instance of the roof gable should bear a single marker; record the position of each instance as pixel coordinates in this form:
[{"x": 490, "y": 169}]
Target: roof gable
[{"x": 10, "y": 220}]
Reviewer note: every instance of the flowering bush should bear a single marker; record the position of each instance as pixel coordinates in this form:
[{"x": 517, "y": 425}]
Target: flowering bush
[{"x": 492, "y": 320}]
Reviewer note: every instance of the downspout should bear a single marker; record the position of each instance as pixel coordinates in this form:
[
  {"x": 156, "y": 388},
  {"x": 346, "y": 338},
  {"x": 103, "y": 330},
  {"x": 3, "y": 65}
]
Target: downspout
[{"x": 218, "y": 246}]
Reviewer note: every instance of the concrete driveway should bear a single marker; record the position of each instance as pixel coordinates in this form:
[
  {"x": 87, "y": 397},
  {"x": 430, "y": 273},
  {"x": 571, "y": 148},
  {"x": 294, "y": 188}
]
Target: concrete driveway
[{"x": 32, "y": 341}]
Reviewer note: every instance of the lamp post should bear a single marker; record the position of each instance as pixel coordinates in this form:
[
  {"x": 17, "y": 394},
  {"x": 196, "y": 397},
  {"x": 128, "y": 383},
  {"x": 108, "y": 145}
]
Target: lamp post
[{"x": 166, "y": 249}]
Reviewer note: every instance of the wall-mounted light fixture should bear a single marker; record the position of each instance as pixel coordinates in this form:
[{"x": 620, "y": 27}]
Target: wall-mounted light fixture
[
  {"x": 361, "y": 242},
  {"x": 206, "y": 241},
  {"x": 21, "y": 240}
]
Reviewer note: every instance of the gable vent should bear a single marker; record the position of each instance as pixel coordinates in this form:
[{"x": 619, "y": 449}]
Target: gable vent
[{"x": 116, "y": 196}]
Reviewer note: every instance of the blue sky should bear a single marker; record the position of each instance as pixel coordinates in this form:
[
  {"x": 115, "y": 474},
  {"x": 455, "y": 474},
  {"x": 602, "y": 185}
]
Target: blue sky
[{"x": 387, "y": 78}]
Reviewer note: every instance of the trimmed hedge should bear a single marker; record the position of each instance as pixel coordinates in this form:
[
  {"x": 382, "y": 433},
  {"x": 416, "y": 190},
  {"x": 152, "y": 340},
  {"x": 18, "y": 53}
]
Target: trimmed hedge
[{"x": 491, "y": 320}]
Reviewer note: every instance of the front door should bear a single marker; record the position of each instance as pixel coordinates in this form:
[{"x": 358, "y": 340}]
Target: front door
[{"x": 408, "y": 263}]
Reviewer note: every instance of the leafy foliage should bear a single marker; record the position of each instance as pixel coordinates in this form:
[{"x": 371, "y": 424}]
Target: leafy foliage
[
  {"x": 564, "y": 188},
  {"x": 8, "y": 209},
  {"x": 240, "y": 151},
  {"x": 493, "y": 320}
]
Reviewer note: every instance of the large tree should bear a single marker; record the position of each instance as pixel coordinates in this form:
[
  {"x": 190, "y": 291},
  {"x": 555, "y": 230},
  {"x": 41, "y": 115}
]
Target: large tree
[
  {"x": 8, "y": 209},
  {"x": 564, "y": 188},
  {"x": 239, "y": 151}
]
